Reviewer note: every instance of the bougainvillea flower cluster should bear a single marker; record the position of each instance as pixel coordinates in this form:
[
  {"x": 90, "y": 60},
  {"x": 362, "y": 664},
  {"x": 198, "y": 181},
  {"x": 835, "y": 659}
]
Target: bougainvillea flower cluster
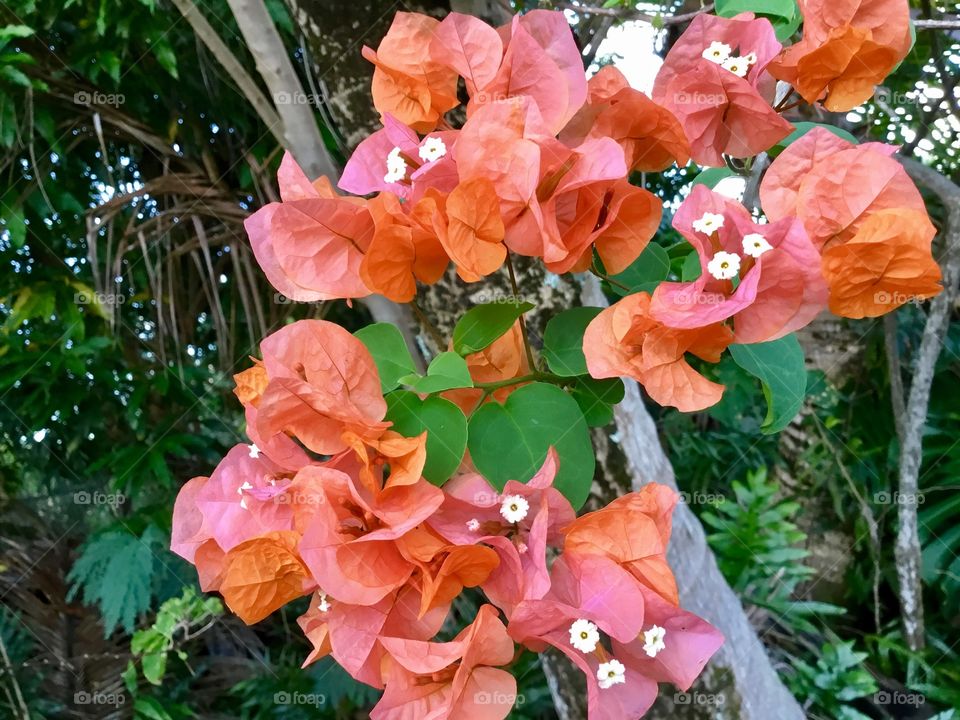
[
  {"x": 331, "y": 501},
  {"x": 383, "y": 553}
]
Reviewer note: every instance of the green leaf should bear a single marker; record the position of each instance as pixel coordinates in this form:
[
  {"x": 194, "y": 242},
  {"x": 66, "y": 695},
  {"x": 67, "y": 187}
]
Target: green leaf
[
  {"x": 147, "y": 708},
  {"x": 645, "y": 273},
  {"x": 596, "y": 399},
  {"x": 389, "y": 351},
  {"x": 481, "y": 325},
  {"x": 446, "y": 428},
  {"x": 785, "y": 9},
  {"x": 447, "y": 371},
  {"x": 563, "y": 340},
  {"x": 510, "y": 441},
  {"x": 779, "y": 365},
  {"x": 154, "y": 665},
  {"x": 14, "y": 76},
  {"x": 16, "y": 225},
  {"x": 690, "y": 270},
  {"x": 9, "y": 32},
  {"x": 712, "y": 176}
]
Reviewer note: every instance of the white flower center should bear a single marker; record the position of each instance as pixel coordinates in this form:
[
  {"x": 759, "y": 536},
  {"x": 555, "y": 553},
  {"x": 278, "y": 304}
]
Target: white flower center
[
  {"x": 432, "y": 149},
  {"x": 584, "y": 635},
  {"x": 724, "y": 265},
  {"x": 514, "y": 508},
  {"x": 473, "y": 524},
  {"x": 750, "y": 58},
  {"x": 717, "y": 52},
  {"x": 254, "y": 450},
  {"x": 653, "y": 640},
  {"x": 709, "y": 223},
  {"x": 324, "y": 604},
  {"x": 755, "y": 245},
  {"x": 738, "y": 66},
  {"x": 396, "y": 167},
  {"x": 611, "y": 673}
]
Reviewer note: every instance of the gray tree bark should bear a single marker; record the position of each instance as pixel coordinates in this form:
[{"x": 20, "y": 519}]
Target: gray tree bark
[
  {"x": 300, "y": 131},
  {"x": 910, "y": 427}
]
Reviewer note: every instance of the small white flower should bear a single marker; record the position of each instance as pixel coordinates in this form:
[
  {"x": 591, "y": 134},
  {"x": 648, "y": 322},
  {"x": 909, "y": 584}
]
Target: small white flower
[
  {"x": 514, "y": 508},
  {"x": 324, "y": 605},
  {"x": 473, "y": 524},
  {"x": 738, "y": 66},
  {"x": 611, "y": 673},
  {"x": 709, "y": 223},
  {"x": 243, "y": 503},
  {"x": 755, "y": 245},
  {"x": 246, "y": 486},
  {"x": 653, "y": 640},
  {"x": 724, "y": 265},
  {"x": 254, "y": 451},
  {"x": 396, "y": 167},
  {"x": 717, "y": 52},
  {"x": 584, "y": 635},
  {"x": 522, "y": 548},
  {"x": 750, "y": 58},
  {"x": 432, "y": 149}
]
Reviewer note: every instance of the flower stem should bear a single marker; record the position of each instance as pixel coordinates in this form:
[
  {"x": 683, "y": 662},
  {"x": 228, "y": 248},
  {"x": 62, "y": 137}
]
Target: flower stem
[{"x": 523, "y": 324}]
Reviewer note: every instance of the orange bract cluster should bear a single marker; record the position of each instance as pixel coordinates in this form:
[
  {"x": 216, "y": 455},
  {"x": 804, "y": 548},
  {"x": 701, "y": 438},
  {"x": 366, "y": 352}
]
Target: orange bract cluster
[
  {"x": 539, "y": 167},
  {"x": 847, "y": 49},
  {"x": 330, "y": 502}
]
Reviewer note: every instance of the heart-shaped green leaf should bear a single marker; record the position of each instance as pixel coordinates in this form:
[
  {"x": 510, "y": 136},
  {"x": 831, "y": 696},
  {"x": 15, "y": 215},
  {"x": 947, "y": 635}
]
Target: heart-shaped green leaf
[
  {"x": 510, "y": 441},
  {"x": 446, "y": 372},
  {"x": 779, "y": 365},
  {"x": 563, "y": 340},
  {"x": 446, "y": 428},
  {"x": 389, "y": 351},
  {"x": 483, "y": 324}
]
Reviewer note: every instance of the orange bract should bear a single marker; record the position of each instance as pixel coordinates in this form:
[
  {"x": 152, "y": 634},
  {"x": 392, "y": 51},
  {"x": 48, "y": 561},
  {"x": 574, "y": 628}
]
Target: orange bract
[
  {"x": 262, "y": 575},
  {"x": 886, "y": 265},
  {"x": 848, "y": 48}
]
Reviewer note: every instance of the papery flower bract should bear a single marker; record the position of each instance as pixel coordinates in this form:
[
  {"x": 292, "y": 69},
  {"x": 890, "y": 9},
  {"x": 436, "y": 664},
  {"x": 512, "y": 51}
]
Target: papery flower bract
[
  {"x": 351, "y": 633},
  {"x": 351, "y": 544},
  {"x": 885, "y": 265},
  {"x": 321, "y": 382},
  {"x": 721, "y": 112},
  {"x": 263, "y": 574},
  {"x": 634, "y": 531},
  {"x": 407, "y": 82},
  {"x": 688, "y": 645},
  {"x": 779, "y": 291},
  {"x": 625, "y": 341},
  {"x": 473, "y": 237},
  {"x": 470, "y": 47},
  {"x": 457, "y": 679},
  {"x": 833, "y": 185},
  {"x": 310, "y": 246},
  {"x": 405, "y": 247},
  {"x": 596, "y": 588},
  {"x": 520, "y": 574},
  {"x": 651, "y": 137},
  {"x": 848, "y": 48},
  {"x": 541, "y": 62}
]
